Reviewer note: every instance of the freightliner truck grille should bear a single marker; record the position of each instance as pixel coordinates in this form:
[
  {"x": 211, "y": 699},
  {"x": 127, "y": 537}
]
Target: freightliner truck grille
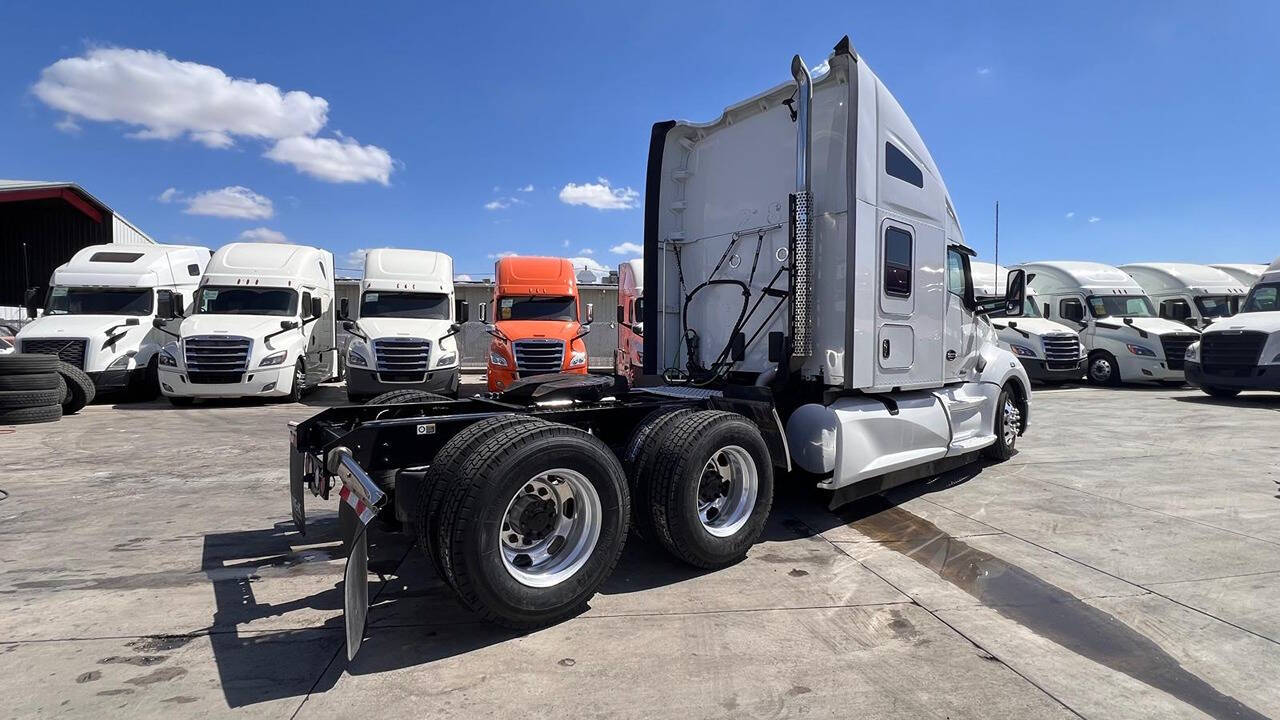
[
  {"x": 1175, "y": 348},
  {"x": 216, "y": 359},
  {"x": 536, "y": 357},
  {"x": 402, "y": 359},
  {"x": 1231, "y": 353},
  {"x": 1061, "y": 351}
]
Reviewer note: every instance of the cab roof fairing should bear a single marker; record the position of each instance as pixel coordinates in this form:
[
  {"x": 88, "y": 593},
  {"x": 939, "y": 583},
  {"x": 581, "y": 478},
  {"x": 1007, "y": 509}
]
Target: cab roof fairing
[{"x": 1052, "y": 276}]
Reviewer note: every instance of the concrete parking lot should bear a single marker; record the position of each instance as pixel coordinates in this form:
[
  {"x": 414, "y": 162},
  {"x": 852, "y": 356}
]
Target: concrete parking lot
[{"x": 1126, "y": 563}]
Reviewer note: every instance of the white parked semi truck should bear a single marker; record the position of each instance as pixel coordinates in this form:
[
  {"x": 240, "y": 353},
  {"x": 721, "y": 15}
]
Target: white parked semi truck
[
  {"x": 263, "y": 326},
  {"x": 833, "y": 337},
  {"x": 112, "y": 308},
  {"x": 1124, "y": 339},
  {"x": 1194, "y": 295},
  {"x": 628, "y": 359},
  {"x": 405, "y": 328},
  {"x": 1050, "y": 352},
  {"x": 1242, "y": 352}
]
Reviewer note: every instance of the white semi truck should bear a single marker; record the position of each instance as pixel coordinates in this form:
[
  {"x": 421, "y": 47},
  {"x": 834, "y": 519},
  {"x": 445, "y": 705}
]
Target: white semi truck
[
  {"x": 833, "y": 337},
  {"x": 1050, "y": 352},
  {"x": 628, "y": 358},
  {"x": 1194, "y": 295},
  {"x": 1124, "y": 339},
  {"x": 1246, "y": 273},
  {"x": 1242, "y": 352},
  {"x": 112, "y": 308},
  {"x": 405, "y": 327},
  {"x": 263, "y": 326}
]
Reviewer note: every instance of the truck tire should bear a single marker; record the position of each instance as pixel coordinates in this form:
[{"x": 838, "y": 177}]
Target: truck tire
[
  {"x": 27, "y": 364},
  {"x": 145, "y": 386},
  {"x": 533, "y": 524},
  {"x": 38, "y": 381},
  {"x": 1008, "y": 423},
  {"x": 298, "y": 387},
  {"x": 80, "y": 388},
  {"x": 1103, "y": 369},
  {"x": 711, "y": 488},
  {"x": 399, "y": 397},
  {"x": 30, "y": 415},
  {"x": 638, "y": 457},
  {"x": 444, "y": 467},
  {"x": 15, "y": 399},
  {"x": 1219, "y": 392}
]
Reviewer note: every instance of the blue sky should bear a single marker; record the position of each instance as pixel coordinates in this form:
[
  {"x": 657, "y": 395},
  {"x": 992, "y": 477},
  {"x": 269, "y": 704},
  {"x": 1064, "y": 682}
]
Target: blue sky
[{"x": 1157, "y": 121}]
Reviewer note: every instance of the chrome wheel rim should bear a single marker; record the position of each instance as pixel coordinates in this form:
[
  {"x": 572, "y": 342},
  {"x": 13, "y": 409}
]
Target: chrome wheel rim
[
  {"x": 1012, "y": 421},
  {"x": 727, "y": 491},
  {"x": 299, "y": 377},
  {"x": 550, "y": 528},
  {"x": 1100, "y": 369}
]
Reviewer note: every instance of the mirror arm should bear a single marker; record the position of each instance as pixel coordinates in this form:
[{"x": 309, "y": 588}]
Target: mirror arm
[
  {"x": 582, "y": 332},
  {"x": 453, "y": 330}
]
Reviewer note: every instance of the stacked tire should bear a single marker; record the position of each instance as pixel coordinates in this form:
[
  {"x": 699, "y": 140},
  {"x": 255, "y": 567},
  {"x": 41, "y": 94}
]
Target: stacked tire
[
  {"x": 31, "y": 389},
  {"x": 79, "y": 388}
]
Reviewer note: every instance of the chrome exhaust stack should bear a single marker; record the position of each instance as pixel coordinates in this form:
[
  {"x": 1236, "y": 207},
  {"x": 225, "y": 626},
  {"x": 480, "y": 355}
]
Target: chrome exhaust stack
[{"x": 801, "y": 207}]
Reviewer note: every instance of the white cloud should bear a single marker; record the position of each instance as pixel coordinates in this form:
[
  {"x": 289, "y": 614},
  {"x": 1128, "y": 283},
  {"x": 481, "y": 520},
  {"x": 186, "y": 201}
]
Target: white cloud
[
  {"x": 564, "y": 243},
  {"x": 230, "y": 202},
  {"x": 263, "y": 235},
  {"x": 499, "y": 204},
  {"x": 587, "y": 251},
  {"x": 1095, "y": 219},
  {"x": 339, "y": 160},
  {"x": 1071, "y": 215},
  {"x": 68, "y": 125},
  {"x": 599, "y": 195},
  {"x": 505, "y": 253},
  {"x": 462, "y": 278},
  {"x": 984, "y": 71},
  {"x": 168, "y": 196},
  {"x": 590, "y": 264},
  {"x": 526, "y": 188},
  {"x": 168, "y": 98},
  {"x": 497, "y": 188},
  {"x": 821, "y": 68},
  {"x": 627, "y": 248}
]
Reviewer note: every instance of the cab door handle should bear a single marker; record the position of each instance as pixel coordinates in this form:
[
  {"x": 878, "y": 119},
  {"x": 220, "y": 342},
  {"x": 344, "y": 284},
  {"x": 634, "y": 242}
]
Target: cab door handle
[{"x": 884, "y": 348}]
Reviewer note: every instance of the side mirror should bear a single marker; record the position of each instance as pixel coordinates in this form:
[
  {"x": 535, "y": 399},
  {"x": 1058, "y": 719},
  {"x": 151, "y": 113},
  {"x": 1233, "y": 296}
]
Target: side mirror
[
  {"x": 621, "y": 315},
  {"x": 32, "y": 301},
  {"x": 179, "y": 305},
  {"x": 591, "y": 313},
  {"x": 317, "y": 307},
  {"x": 1015, "y": 294},
  {"x": 344, "y": 309},
  {"x": 348, "y": 325},
  {"x": 484, "y": 313},
  {"x": 288, "y": 324},
  {"x": 461, "y": 311}
]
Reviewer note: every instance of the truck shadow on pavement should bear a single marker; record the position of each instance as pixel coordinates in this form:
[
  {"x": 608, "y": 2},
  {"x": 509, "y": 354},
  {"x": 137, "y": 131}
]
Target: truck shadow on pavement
[{"x": 1266, "y": 401}]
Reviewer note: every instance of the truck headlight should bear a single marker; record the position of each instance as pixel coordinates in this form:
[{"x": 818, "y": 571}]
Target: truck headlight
[
  {"x": 167, "y": 359},
  {"x": 355, "y": 354},
  {"x": 120, "y": 363},
  {"x": 1193, "y": 352},
  {"x": 577, "y": 357},
  {"x": 497, "y": 359},
  {"x": 1141, "y": 351},
  {"x": 1022, "y": 350},
  {"x": 446, "y": 359},
  {"x": 274, "y": 359}
]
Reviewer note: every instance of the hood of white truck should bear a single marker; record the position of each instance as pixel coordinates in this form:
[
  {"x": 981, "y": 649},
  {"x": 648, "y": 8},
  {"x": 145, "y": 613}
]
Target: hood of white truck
[
  {"x": 403, "y": 327},
  {"x": 1036, "y": 327},
  {"x": 74, "y": 326},
  {"x": 1155, "y": 326},
  {"x": 251, "y": 326},
  {"x": 1267, "y": 322}
]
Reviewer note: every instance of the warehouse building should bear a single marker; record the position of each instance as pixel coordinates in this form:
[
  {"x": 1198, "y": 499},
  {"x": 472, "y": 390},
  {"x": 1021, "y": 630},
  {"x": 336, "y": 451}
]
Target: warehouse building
[{"x": 42, "y": 224}]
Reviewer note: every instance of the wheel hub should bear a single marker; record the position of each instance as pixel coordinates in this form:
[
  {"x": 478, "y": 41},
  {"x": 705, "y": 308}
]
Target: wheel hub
[{"x": 533, "y": 517}]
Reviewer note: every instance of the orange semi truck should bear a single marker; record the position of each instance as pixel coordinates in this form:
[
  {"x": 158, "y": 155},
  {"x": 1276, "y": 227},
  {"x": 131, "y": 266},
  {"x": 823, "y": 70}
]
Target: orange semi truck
[{"x": 535, "y": 326}]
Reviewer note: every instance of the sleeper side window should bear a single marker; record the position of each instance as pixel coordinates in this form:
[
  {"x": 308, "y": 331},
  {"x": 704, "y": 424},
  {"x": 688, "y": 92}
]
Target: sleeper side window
[
  {"x": 897, "y": 262},
  {"x": 897, "y": 164}
]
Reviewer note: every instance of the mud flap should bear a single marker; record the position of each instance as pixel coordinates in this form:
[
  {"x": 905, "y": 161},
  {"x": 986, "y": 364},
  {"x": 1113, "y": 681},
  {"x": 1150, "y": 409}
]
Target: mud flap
[
  {"x": 355, "y": 581},
  {"x": 297, "y": 481}
]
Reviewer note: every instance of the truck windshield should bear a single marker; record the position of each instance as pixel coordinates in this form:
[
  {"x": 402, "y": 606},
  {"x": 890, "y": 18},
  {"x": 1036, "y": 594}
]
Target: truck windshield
[
  {"x": 99, "y": 301},
  {"x": 537, "y": 308},
  {"x": 247, "y": 301},
  {"x": 1216, "y": 306},
  {"x": 419, "y": 306},
  {"x": 1120, "y": 306},
  {"x": 1263, "y": 298}
]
